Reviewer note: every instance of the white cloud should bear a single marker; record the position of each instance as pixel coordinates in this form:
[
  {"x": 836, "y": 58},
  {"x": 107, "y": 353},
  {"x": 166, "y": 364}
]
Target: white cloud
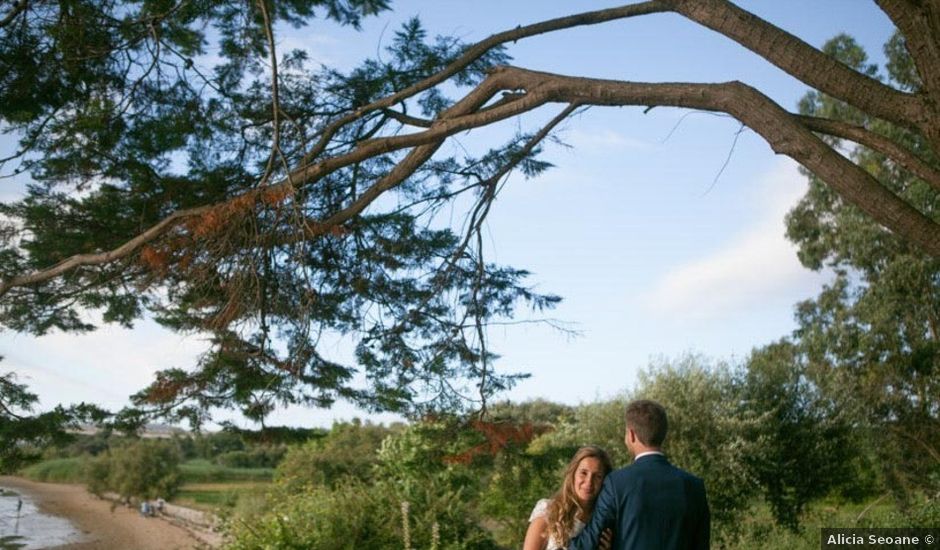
[{"x": 757, "y": 266}]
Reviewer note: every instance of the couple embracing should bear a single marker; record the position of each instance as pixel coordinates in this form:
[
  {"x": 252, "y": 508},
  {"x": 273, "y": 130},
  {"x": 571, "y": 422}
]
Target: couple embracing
[{"x": 650, "y": 504}]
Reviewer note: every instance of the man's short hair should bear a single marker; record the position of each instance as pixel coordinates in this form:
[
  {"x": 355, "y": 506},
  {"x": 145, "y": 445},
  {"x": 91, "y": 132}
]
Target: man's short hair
[{"x": 648, "y": 420}]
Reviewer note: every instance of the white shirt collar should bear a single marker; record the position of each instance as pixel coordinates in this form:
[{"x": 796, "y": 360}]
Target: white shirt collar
[{"x": 647, "y": 453}]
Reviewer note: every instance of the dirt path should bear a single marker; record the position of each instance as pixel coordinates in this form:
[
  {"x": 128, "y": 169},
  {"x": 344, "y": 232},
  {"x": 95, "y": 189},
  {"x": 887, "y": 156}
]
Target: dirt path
[{"x": 104, "y": 529}]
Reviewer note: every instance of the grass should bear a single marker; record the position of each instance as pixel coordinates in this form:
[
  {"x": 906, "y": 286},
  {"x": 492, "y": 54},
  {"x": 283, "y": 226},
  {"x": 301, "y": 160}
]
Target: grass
[
  {"x": 206, "y": 486},
  {"x": 203, "y": 471},
  {"x": 57, "y": 470},
  {"x": 216, "y": 496}
]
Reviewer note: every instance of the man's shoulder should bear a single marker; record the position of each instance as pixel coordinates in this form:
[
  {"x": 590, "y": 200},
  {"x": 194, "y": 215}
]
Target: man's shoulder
[{"x": 688, "y": 475}]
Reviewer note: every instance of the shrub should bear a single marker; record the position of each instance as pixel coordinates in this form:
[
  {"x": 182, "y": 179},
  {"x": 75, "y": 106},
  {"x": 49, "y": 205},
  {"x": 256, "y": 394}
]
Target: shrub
[
  {"x": 349, "y": 450},
  {"x": 423, "y": 465},
  {"x": 353, "y": 516},
  {"x": 144, "y": 469}
]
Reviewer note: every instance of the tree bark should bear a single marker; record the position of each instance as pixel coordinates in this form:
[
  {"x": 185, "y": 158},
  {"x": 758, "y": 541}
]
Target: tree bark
[{"x": 787, "y": 134}]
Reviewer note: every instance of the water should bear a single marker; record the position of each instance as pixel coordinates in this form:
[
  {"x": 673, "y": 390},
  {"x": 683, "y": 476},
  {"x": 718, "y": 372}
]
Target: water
[{"x": 34, "y": 529}]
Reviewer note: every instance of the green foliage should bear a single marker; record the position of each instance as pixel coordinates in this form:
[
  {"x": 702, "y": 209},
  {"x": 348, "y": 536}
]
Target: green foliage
[
  {"x": 143, "y": 469},
  {"x": 794, "y": 429},
  {"x": 599, "y": 423},
  {"x": 518, "y": 480},
  {"x": 427, "y": 465},
  {"x": 58, "y": 470},
  {"x": 121, "y": 124},
  {"x": 353, "y": 516},
  {"x": 267, "y": 456},
  {"x": 538, "y": 412},
  {"x": 210, "y": 446},
  {"x": 348, "y": 450},
  {"x": 346, "y": 491},
  {"x": 870, "y": 337}
]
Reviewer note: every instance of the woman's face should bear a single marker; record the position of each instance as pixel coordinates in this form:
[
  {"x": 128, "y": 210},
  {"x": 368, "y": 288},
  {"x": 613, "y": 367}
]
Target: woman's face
[{"x": 587, "y": 479}]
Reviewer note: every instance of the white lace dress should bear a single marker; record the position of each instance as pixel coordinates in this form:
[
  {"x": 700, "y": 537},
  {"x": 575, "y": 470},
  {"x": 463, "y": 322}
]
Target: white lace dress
[{"x": 541, "y": 511}]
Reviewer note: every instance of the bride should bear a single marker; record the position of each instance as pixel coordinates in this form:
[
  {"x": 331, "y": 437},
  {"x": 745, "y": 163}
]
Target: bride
[{"x": 554, "y": 521}]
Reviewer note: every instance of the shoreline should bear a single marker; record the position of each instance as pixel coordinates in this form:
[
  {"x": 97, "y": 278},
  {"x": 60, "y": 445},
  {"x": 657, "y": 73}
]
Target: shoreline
[{"x": 104, "y": 525}]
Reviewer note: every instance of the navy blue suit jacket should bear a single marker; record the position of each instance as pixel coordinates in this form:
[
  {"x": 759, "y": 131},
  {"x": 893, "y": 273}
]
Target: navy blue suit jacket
[{"x": 650, "y": 504}]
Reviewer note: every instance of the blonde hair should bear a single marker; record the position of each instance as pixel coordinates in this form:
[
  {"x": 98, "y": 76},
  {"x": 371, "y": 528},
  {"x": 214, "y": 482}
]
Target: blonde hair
[{"x": 565, "y": 506}]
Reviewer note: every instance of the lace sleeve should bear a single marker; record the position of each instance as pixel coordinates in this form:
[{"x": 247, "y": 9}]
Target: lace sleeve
[{"x": 540, "y": 510}]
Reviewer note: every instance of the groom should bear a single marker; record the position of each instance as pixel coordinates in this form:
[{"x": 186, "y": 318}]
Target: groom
[{"x": 651, "y": 504}]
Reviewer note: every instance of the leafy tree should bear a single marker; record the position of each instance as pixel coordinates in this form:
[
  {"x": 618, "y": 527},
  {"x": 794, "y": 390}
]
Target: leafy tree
[
  {"x": 269, "y": 204},
  {"x": 793, "y": 429},
  {"x": 540, "y": 412},
  {"x": 146, "y": 468},
  {"x": 871, "y": 336}
]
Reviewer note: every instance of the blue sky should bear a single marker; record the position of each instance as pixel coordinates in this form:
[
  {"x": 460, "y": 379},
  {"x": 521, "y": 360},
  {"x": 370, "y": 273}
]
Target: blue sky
[{"x": 656, "y": 250}]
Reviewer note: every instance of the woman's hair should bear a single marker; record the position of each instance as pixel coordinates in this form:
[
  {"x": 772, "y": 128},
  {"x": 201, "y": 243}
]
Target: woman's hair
[{"x": 565, "y": 507}]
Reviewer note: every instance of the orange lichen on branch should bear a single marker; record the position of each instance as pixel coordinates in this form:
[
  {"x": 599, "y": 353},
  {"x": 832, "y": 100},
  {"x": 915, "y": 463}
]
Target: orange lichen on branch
[
  {"x": 222, "y": 215},
  {"x": 164, "y": 390},
  {"x": 154, "y": 259}
]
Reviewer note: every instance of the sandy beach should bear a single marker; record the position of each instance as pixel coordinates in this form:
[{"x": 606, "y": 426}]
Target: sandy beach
[{"x": 103, "y": 528}]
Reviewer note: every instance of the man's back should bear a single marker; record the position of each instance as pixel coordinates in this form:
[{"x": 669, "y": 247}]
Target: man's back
[{"x": 650, "y": 504}]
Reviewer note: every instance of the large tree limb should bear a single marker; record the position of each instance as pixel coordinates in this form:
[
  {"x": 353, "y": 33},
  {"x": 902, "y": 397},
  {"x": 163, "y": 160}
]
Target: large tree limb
[
  {"x": 875, "y": 142},
  {"x": 784, "y": 132},
  {"x": 475, "y": 51},
  {"x": 805, "y": 62},
  {"x": 919, "y": 22},
  {"x": 126, "y": 249}
]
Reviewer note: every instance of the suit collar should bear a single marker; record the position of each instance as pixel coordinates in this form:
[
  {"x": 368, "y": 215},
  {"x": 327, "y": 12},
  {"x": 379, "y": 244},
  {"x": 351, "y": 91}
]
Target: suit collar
[
  {"x": 648, "y": 453},
  {"x": 651, "y": 459}
]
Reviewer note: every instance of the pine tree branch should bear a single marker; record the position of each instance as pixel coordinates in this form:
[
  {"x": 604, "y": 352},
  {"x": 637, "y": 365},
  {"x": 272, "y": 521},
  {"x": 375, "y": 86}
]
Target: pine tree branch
[
  {"x": 876, "y": 142},
  {"x": 477, "y": 50},
  {"x": 17, "y": 9},
  {"x": 784, "y": 132},
  {"x": 806, "y": 63}
]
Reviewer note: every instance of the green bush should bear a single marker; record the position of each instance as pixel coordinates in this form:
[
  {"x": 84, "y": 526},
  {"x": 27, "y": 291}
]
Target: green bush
[
  {"x": 58, "y": 470},
  {"x": 353, "y": 516},
  {"x": 349, "y": 450},
  {"x": 144, "y": 469},
  {"x": 427, "y": 465}
]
